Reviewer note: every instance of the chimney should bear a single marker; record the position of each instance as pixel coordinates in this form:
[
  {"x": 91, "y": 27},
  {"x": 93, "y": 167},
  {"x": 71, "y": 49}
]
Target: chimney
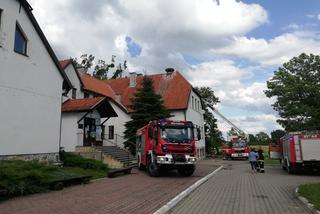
[
  {"x": 132, "y": 79},
  {"x": 169, "y": 71}
]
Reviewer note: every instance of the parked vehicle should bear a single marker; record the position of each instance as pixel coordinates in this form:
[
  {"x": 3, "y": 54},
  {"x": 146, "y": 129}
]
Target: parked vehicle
[
  {"x": 164, "y": 145},
  {"x": 236, "y": 149},
  {"x": 301, "y": 152}
]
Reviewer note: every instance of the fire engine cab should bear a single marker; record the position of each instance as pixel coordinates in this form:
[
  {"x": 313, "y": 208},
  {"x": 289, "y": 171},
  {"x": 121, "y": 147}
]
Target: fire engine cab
[{"x": 166, "y": 145}]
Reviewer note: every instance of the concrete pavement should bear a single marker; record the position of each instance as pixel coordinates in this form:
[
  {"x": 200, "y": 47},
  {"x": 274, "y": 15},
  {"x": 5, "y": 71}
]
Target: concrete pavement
[{"x": 236, "y": 190}]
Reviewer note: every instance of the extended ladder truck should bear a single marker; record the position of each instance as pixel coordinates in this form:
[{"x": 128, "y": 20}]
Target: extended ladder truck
[{"x": 238, "y": 147}]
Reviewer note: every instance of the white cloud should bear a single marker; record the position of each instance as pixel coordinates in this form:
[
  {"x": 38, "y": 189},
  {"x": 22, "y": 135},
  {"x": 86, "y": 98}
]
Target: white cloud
[
  {"x": 252, "y": 124},
  {"x": 274, "y": 51},
  {"x": 165, "y": 29},
  {"x": 224, "y": 77}
]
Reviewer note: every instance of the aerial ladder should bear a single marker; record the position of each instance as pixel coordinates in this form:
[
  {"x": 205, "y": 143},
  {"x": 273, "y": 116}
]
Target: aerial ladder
[{"x": 236, "y": 128}]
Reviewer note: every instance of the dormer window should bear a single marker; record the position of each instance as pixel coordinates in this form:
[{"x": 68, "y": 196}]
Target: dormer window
[{"x": 20, "y": 41}]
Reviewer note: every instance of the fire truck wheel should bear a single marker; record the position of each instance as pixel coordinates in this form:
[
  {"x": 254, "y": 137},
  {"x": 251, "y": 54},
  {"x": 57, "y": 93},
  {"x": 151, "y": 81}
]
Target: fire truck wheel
[
  {"x": 186, "y": 170},
  {"x": 153, "y": 169}
]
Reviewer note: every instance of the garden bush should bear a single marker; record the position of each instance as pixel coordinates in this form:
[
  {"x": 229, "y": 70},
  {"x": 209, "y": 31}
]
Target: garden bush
[{"x": 73, "y": 160}]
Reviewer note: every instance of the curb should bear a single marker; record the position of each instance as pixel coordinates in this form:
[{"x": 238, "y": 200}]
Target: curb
[
  {"x": 306, "y": 202},
  {"x": 164, "y": 209}
]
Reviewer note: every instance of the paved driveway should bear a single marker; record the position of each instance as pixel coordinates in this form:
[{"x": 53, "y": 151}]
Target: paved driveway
[
  {"x": 236, "y": 190},
  {"x": 135, "y": 193}
]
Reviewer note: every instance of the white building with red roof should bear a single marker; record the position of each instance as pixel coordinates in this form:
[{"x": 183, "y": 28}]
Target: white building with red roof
[
  {"x": 83, "y": 110},
  {"x": 179, "y": 97}
]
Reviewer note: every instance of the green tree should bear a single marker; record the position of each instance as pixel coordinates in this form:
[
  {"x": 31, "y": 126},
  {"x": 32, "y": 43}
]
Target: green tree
[
  {"x": 147, "y": 106},
  {"x": 85, "y": 61},
  {"x": 101, "y": 68},
  {"x": 276, "y": 135},
  {"x": 296, "y": 87},
  {"x": 262, "y": 138},
  {"x": 213, "y": 136},
  {"x": 252, "y": 139},
  {"x": 233, "y": 132}
]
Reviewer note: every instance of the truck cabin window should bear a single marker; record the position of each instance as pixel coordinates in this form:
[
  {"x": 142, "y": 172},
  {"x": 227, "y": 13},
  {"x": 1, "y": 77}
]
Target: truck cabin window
[
  {"x": 239, "y": 144},
  {"x": 176, "y": 133},
  {"x": 20, "y": 41}
]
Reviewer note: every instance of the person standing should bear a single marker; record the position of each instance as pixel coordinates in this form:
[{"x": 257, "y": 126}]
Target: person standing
[
  {"x": 253, "y": 156},
  {"x": 261, "y": 161}
]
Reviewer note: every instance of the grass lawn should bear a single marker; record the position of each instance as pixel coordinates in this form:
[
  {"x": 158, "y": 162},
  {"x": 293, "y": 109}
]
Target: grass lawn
[
  {"x": 312, "y": 193},
  {"x": 27, "y": 177},
  {"x": 271, "y": 161}
]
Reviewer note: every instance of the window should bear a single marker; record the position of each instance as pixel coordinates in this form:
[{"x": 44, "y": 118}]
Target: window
[
  {"x": 0, "y": 28},
  {"x": 74, "y": 93},
  {"x": 192, "y": 102},
  {"x": 111, "y": 132},
  {"x": 20, "y": 41},
  {"x": 0, "y": 17},
  {"x": 86, "y": 95}
]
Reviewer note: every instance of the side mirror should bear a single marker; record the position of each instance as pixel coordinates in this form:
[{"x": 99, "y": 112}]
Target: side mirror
[{"x": 198, "y": 134}]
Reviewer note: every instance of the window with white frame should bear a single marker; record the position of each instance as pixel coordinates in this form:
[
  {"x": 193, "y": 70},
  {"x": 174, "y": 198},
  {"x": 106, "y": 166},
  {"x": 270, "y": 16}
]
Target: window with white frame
[{"x": 20, "y": 41}]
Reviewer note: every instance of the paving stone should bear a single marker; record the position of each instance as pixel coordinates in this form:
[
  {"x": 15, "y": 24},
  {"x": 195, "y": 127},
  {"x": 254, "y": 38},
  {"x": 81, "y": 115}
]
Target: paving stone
[
  {"x": 235, "y": 190},
  {"x": 134, "y": 193}
]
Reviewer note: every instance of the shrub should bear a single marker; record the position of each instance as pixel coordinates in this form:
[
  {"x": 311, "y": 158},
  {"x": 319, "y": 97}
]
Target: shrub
[
  {"x": 21, "y": 177},
  {"x": 73, "y": 160}
]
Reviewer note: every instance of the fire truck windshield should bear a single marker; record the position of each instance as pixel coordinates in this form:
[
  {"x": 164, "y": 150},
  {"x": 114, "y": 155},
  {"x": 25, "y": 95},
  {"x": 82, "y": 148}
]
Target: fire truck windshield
[
  {"x": 176, "y": 133},
  {"x": 239, "y": 144}
]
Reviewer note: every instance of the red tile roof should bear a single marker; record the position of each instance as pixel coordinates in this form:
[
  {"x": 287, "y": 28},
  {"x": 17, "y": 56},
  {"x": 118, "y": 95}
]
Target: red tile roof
[
  {"x": 81, "y": 104},
  {"x": 64, "y": 63},
  {"x": 97, "y": 86},
  {"x": 174, "y": 89}
]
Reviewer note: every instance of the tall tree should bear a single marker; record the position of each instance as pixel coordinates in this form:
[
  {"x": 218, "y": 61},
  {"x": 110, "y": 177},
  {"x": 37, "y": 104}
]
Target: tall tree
[
  {"x": 296, "y": 87},
  {"x": 213, "y": 136},
  {"x": 85, "y": 61},
  {"x": 276, "y": 135},
  {"x": 147, "y": 106},
  {"x": 101, "y": 68},
  {"x": 262, "y": 138}
]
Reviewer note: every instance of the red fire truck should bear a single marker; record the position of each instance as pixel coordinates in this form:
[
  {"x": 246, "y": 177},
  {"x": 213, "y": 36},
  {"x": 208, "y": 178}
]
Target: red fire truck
[
  {"x": 165, "y": 145},
  {"x": 236, "y": 149},
  {"x": 300, "y": 152}
]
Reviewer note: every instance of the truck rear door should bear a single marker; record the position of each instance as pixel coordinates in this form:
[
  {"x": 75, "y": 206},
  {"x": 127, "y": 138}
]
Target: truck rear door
[{"x": 310, "y": 147}]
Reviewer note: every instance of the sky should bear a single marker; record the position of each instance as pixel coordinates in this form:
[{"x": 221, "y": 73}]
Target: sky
[{"x": 232, "y": 46}]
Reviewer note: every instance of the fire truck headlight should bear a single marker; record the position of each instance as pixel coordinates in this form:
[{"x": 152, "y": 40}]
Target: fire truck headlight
[{"x": 192, "y": 159}]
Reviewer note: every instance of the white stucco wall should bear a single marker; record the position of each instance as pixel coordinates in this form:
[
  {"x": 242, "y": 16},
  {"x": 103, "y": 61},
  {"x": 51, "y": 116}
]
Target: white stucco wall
[
  {"x": 70, "y": 133},
  {"x": 74, "y": 79},
  {"x": 118, "y": 123},
  {"x": 30, "y": 90},
  {"x": 194, "y": 113}
]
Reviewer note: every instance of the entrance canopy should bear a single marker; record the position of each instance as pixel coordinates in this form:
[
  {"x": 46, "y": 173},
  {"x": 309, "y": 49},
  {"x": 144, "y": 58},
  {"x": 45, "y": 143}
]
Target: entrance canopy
[{"x": 101, "y": 104}]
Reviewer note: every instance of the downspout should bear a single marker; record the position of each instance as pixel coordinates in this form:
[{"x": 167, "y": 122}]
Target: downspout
[{"x": 60, "y": 131}]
